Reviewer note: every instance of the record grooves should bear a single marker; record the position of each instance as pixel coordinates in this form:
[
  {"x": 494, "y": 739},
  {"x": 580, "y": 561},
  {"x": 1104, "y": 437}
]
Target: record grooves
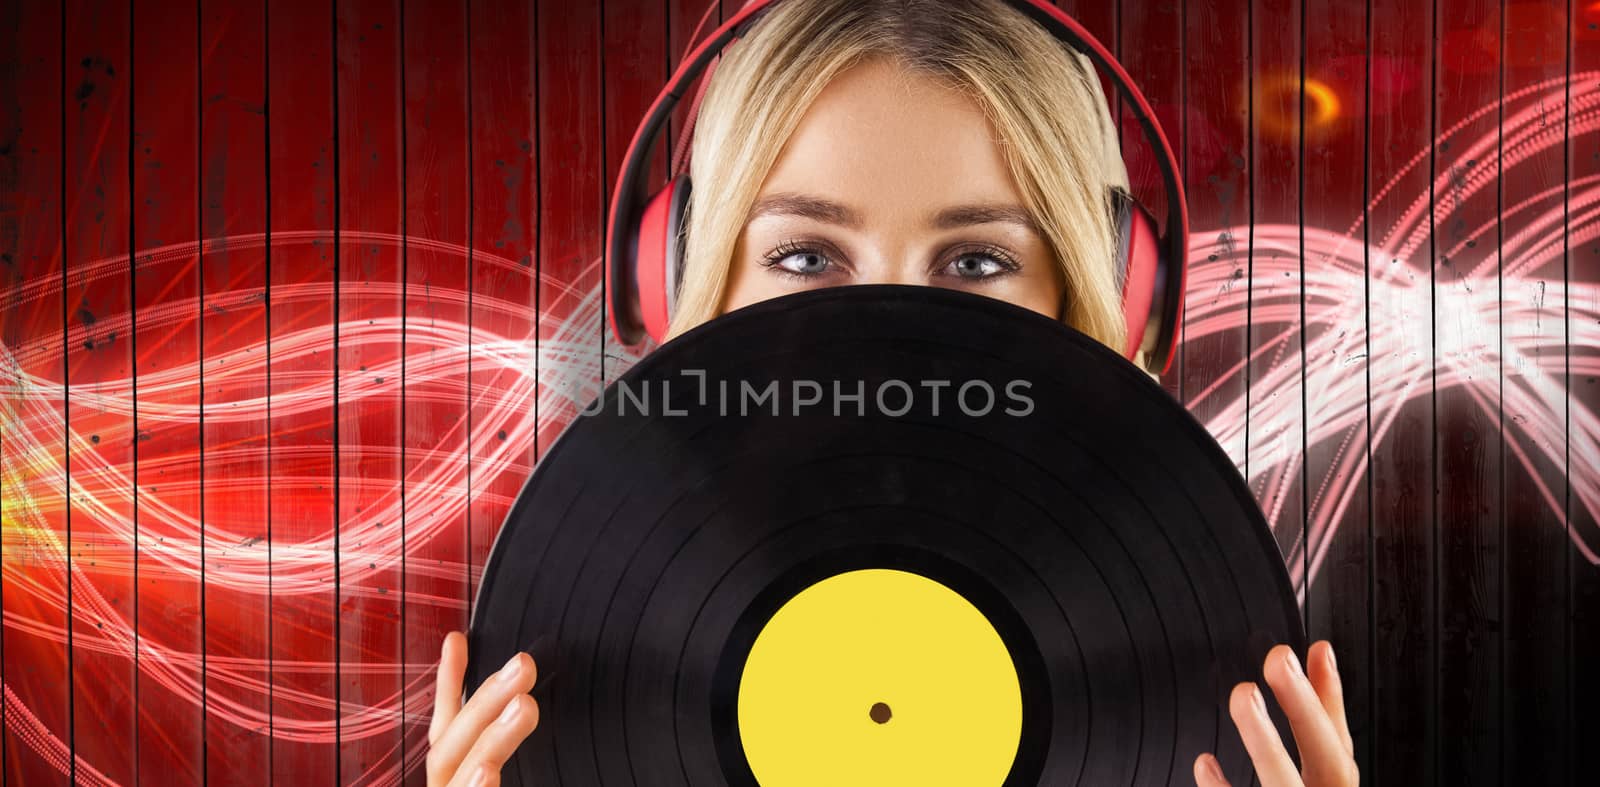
[{"x": 1084, "y": 518}]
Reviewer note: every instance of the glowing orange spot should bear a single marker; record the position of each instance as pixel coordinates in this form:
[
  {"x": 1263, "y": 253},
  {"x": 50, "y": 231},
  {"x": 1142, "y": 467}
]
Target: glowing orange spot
[
  {"x": 1322, "y": 104},
  {"x": 1278, "y": 104}
]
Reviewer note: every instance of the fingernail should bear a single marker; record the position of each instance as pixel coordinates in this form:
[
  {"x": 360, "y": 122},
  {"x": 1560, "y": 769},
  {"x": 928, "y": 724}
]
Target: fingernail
[
  {"x": 1332, "y": 665},
  {"x": 508, "y": 673},
  {"x": 1260, "y": 702},
  {"x": 480, "y": 777},
  {"x": 1213, "y": 769},
  {"x": 1292, "y": 662},
  {"x": 509, "y": 715}
]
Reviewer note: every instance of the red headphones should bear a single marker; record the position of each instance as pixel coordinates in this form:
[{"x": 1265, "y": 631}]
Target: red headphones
[{"x": 644, "y": 245}]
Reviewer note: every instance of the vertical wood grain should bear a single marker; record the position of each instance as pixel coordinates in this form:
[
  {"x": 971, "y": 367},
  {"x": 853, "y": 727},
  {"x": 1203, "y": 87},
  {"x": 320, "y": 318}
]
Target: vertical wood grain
[
  {"x": 490, "y": 133},
  {"x": 32, "y": 326},
  {"x": 572, "y": 167},
  {"x": 683, "y": 22},
  {"x": 170, "y": 740},
  {"x": 1466, "y": 292},
  {"x": 1151, "y": 50},
  {"x": 371, "y": 195},
  {"x": 1333, "y": 198},
  {"x": 1533, "y": 433},
  {"x": 1217, "y": 181},
  {"x": 1583, "y": 386},
  {"x": 301, "y": 458},
  {"x": 1213, "y": 140},
  {"x": 571, "y": 198},
  {"x": 636, "y": 48},
  {"x": 100, "y": 434},
  {"x": 435, "y": 394},
  {"x": 505, "y": 129},
  {"x": 1399, "y": 134},
  {"x": 233, "y": 323},
  {"x": 1274, "y": 442}
]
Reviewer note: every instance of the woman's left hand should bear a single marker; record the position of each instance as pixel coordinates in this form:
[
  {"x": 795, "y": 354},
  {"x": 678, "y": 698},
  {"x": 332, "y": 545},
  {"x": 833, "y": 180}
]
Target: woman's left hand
[{"x": 1313, "y": 700}]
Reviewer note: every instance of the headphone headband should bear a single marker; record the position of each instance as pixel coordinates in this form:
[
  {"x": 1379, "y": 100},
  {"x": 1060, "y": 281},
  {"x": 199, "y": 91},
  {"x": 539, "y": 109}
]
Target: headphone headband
[{"x": 630, "y": 195}]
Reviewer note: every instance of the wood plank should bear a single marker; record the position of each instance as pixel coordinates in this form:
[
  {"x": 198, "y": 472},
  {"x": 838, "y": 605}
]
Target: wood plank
[
  {"x": 636, "y": 47},
  {"x": 1274, "y": 441},
  {"x": 571, "y": 197},
  {"x": 1333, "y": 201},
  {"x": 1533, "y": 359},
  {"x": 304, "y": 516},
  {"x": 1466, "y": 289},
  {"x": 1151, "y": 50},
  {"x": 1215, "y": 146},
  {"x": 1099, "y": 18},
  {"x": 233, "y": 209},
  {"x": 1583, "y": 386},
  {"x": 504, "y": 299},
  {"x": 683, "y": 22},
  {"x": 433, "y": 541},
  {"x": 571, "y": 222},
  {"x": 38, "y": 702},
  {"x": 1399, "y": 133},
  {"x": 166, "y": 210},
  {"x": 99, "y": 366},
  {"x": 371, "y": 193},
  {"x": 1485, "y": 568}
]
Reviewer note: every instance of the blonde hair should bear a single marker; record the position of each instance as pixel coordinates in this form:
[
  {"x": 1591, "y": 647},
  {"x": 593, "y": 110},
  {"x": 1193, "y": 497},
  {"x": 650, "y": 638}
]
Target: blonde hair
[{"x": 1043, "y": 98}]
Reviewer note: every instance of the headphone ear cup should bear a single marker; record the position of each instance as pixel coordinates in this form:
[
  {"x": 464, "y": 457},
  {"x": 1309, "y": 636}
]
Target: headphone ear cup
[
  {"x": 1140, "y": 270},
  {"x": 659, "y": 263}
]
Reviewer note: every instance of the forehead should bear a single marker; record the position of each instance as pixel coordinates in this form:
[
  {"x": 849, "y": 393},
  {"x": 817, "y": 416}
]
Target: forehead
[{"x": 890, "y": 141}]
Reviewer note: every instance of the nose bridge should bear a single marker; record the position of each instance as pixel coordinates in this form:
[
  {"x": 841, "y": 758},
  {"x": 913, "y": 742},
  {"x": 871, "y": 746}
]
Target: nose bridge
[{"x": 893, "y": 259}]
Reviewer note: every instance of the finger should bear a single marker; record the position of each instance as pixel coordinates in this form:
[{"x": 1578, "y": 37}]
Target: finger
[
  {"x": 1324, "y": 674},
  {"x": 456, "y": 740},
  {"x": 1324, "y": 760},
  {"x": 484, "y": 777},
  {"x": 1208, "y": 772},
  {"x": 1249, "y": 711},
  {"x": 499, "y": 741},
  {"x": 447, "y": 686}
]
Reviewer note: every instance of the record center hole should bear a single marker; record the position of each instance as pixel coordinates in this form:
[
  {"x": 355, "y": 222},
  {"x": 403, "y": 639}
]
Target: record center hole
[{"x": 879, "y": 713}]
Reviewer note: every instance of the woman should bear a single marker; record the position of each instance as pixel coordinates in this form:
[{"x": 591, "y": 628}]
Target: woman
[{"x": 945, "y": 144}]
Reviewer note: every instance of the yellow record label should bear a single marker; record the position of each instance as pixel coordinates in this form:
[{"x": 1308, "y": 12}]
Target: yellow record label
[{"x": 879, "y": 677}]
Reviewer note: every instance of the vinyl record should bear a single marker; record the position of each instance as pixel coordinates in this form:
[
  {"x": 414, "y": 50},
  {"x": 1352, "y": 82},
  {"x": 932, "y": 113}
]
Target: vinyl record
[{"x": 882, "y": 534}]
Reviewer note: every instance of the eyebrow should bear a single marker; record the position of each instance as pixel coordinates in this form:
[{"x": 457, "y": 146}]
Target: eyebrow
[
  {"x": 968, "y": 215},
  {"x": 828, "y": 211},
  {"x": 806, "y": 207}
]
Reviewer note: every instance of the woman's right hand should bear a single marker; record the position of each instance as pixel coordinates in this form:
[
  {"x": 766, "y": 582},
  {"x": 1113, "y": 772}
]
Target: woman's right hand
[{"x": 467, "y": 745}]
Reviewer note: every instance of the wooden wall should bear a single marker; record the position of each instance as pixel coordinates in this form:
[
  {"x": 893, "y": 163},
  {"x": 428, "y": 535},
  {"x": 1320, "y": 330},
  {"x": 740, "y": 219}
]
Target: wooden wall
[{"x": 294, "y": 294}]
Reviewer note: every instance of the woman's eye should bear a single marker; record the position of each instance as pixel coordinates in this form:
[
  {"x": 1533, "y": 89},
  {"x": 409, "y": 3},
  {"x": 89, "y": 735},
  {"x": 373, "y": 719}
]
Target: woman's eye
[
  {"x": 973, "y": 265},
  {"x": 802, "y": 262}
]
